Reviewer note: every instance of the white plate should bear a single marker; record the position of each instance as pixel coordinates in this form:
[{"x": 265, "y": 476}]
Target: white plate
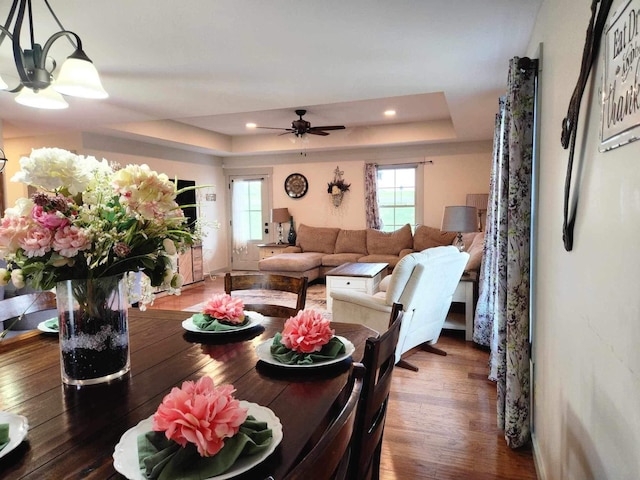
[
  {"x": 264, "y": 353},
  {"x": 18, "y": 427},
  {"x": 255, "y": 318},
  {"x": 125, "y": 455},
  {"x": 43, "y": 328}
]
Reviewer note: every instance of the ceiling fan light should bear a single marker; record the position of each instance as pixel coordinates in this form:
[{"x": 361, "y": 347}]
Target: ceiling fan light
[
  {"x": 79, "y": 78},
  {"x": 3, "y": 85},
  {"x": 47, "y": 99}
]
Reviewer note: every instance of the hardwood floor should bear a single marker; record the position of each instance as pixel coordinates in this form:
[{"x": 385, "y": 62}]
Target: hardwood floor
[{"x": 441, "y": 420}]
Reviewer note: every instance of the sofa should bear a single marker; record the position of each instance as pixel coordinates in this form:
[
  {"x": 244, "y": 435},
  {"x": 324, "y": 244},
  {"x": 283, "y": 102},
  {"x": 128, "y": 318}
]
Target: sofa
[{"x": 320, "y": 249}]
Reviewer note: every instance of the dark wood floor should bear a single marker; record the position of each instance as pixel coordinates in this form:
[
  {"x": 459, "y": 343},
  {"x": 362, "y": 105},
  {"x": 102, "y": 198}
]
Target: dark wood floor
[{"x": 441, "y": 422}]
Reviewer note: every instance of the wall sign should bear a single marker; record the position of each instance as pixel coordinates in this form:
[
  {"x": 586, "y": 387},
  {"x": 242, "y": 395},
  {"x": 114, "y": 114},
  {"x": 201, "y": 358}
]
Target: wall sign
[{"x": 620, "y": 121}]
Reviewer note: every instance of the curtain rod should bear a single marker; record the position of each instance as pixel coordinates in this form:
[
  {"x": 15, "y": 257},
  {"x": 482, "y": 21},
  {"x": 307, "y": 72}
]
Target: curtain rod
[{"x": 409, "y": 163}]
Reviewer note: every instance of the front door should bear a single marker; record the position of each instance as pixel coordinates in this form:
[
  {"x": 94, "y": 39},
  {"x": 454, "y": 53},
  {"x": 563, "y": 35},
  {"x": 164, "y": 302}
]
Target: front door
[{"x": 249, "y": 219}]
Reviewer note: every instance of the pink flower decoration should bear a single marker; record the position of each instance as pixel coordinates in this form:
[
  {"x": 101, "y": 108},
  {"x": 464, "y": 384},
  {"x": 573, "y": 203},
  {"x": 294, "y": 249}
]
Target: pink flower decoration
[
  {"x": 226, "y": 308},
  {"x": 69, "y": 240},
  {"x": 50, "y": 220},
  {"x": 201, "y": 414},
  {"x": 36, "y": 242},
  {"x": 307, "y": 332},
  {"x": 12, "y": 231}
]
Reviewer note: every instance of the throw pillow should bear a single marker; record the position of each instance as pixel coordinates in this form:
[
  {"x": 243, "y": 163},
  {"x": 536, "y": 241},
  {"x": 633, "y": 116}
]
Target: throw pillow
[
  {"x": 317, "y": 239},
  {"x": 389, "y": 243},
  {"x": 429, "y": 237},
  {"x": 352, "y": 241}
]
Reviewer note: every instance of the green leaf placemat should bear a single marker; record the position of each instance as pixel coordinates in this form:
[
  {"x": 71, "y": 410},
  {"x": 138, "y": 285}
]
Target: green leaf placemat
[{"x": 330, "y": 351}]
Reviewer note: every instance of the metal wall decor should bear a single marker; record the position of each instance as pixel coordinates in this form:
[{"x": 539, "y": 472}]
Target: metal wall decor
[{"x": 337, "y": 187}]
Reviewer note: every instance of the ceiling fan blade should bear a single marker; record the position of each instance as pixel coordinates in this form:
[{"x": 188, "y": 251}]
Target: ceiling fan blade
[
  {"x": 286, "y": 133},
  {"x": 317, "y": 132},
  {"x": 276, "y": 128},
  {"x": 329, "y": 127}
]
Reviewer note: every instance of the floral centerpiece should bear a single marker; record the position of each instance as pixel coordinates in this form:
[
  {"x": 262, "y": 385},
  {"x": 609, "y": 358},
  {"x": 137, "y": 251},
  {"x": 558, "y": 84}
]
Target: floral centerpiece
[
  {"x": 306, "y": 338},
  {"x": 221, "y": 312},
  {"x": 89, "y": 224},
  {"x": 90, "y": 219},
  {"x": 199, "y": 431}
]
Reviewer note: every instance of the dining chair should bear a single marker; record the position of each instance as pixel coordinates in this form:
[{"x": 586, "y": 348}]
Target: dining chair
[
  {"x": 20, "y": 305},
  {"x": 329, "y": 458},
  {"x": 274, "y": 283},
  {"x": 379, "y": 359}
]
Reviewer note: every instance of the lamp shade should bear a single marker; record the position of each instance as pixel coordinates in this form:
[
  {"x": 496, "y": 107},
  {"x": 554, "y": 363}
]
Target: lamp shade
[
  {"x": 280, "y": 215},
  {"x": 478, "y": 200},
  {"x": 48, "y": 99},
  {"x": 460, "y": 219},
  {"x": 79, "y": 78}
]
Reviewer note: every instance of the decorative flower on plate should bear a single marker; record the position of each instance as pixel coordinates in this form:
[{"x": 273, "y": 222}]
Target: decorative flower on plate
[
  {"x": 200, "y": 413},
  {"x": 307, "y": 332},
  {"x": 223, "y": 307},
  {"x": 90, "y": 219}
]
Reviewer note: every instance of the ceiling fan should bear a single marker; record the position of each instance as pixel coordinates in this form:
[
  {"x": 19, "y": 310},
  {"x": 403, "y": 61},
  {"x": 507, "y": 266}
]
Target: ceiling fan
[{"x": 300, "y": 127}]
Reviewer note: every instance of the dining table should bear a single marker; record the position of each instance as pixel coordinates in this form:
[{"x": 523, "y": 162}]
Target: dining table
[{"x": 73, "y": 431}]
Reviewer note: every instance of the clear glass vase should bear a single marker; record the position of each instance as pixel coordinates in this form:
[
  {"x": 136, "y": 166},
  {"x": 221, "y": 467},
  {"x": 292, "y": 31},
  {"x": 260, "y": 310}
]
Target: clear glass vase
[{"x": 94, "y": 330}]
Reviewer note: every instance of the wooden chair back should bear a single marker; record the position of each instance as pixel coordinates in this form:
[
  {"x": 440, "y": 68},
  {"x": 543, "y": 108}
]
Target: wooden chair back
[
  {"x": 281, "y": 283},
  {"x": 28, "y": 303},
  {"x": 379, "y": 359},
  {"x": 329, "y": 458}
]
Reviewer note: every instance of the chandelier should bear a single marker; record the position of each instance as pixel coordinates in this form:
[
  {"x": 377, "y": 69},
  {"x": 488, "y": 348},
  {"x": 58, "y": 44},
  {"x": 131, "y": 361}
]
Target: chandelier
[{"x": 38, "y": 88}]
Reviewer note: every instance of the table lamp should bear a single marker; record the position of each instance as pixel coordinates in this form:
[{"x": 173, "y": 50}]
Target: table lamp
[
  {"x": 280, "y": 216},
  {"x": 480, "y": 201},
  {"x": 459, "y": 219}
]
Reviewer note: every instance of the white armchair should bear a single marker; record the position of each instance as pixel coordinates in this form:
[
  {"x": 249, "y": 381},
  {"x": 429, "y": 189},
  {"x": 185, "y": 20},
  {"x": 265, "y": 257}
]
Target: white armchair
[{"x": 423, "y": 282}]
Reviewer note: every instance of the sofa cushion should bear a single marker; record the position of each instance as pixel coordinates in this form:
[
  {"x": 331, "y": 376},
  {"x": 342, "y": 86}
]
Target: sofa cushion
[
  {"x": 429, "y": 237},
  {"x": 389, "y": 243},
  {"x": 291, "y": 262},
  {"x": 392, "y": 260},
  {"x": 336, "y": 259},
  {"x": 316, "y": 239},
  {"x": 351, "y": 241}
]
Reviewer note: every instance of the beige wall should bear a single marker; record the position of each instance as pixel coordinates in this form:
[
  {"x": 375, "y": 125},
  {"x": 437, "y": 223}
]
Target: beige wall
[{"x": 587, "y": 306}]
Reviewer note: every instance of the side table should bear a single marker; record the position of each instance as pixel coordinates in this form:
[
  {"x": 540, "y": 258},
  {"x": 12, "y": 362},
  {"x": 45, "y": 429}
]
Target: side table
[
  {"x": 466, "y": 293},
  {"x": 267, "y": 250}
]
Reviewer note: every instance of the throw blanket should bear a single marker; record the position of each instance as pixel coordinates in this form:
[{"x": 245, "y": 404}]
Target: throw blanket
[
  {"x": 290, "y": 357},
  {"x": 163, "y": 459}
]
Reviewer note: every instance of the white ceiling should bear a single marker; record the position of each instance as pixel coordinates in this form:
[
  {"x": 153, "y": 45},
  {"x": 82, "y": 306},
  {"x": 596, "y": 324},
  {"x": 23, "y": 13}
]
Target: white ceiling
[{"x": 214, "y": 65}]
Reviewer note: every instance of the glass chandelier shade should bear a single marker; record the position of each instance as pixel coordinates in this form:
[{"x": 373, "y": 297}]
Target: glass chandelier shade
[{"x": 77, "y": 77}]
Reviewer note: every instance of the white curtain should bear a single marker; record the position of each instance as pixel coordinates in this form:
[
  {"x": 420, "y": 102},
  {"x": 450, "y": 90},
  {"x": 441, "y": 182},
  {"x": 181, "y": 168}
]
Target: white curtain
[{"x": 239, "y": 205}]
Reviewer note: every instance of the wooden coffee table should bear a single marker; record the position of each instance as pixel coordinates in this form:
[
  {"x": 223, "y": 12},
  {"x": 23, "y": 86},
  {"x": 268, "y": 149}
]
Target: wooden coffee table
[{"x": 360, "y": 277}]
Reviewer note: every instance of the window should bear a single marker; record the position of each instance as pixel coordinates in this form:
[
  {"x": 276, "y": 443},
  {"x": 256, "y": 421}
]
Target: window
[{"x": 397, "y": 196}]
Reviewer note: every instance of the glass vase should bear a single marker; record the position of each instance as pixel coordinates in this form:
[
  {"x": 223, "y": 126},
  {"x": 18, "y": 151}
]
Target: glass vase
[{"x": 93, "y": 330}]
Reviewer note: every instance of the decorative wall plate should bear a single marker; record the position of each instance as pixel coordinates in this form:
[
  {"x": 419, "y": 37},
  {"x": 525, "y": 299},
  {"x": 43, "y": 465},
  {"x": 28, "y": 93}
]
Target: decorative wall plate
[{"x": 296, "y": 185}]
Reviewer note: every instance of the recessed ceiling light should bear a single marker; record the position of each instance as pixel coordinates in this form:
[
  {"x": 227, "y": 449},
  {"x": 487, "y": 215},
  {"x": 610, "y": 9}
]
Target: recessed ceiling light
[
  {"x": 251, "y": 125},
  {"x": 390, "y": 113}
]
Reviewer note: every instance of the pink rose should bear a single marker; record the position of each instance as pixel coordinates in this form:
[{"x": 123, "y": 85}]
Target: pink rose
[
  {"x": 36, "y": 242},
  {"x": 224, "y": 307},
  {"x": 69, "y": 240},
  {"x": 307, "y": 332},
  {"x": 50, "y": 220},
  {"x": 201, "y": 414},
  {"x": 13, "y": 230}
]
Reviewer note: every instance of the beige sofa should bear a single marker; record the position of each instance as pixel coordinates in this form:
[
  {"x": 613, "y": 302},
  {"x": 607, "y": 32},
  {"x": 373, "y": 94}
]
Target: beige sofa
[{"x": 319, "y": 249}]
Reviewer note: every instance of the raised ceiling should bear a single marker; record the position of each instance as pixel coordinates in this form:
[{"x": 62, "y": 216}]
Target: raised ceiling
[{"x": 193, "y": 73}]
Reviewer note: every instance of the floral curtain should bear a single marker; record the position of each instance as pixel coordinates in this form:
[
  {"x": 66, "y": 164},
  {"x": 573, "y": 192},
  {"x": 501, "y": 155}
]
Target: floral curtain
[
  {"x": 502, "y": 312},
  {"x": 371, "y": 196},
  {"x": 239, "y": 206}
]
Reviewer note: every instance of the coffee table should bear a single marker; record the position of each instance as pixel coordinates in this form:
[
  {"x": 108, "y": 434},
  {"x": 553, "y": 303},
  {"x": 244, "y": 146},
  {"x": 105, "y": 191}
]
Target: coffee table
[{"x": 360, "y": 277}]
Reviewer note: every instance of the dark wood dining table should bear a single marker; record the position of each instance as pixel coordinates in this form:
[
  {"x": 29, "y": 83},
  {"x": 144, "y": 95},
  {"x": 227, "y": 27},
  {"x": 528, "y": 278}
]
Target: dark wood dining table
[{"x": 73, "y": 431}]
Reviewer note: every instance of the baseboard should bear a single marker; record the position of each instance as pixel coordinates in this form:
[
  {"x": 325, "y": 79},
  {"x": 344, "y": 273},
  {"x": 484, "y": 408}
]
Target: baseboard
[{"x": 537, "y": 460}]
